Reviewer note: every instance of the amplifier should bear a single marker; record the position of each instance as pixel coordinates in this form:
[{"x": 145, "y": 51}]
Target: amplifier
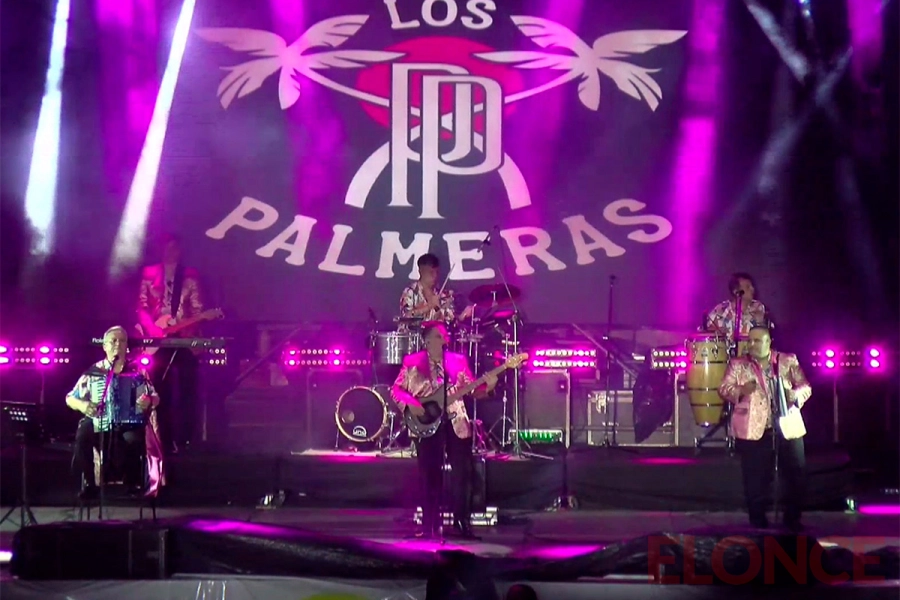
[
  {"x": 602, "y": 413},
  {"x": 265, "y": 420},
  {"x": 324, "y": 388},
  {"x": 547, "y": 401}
]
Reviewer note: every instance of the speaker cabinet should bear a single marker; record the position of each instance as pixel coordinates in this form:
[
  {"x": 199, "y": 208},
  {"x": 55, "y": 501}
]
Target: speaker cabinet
[
  {"x": 547, "y": 401},
  {"x": 324, "y": 388},
  {"x": 79, "y": 551}
]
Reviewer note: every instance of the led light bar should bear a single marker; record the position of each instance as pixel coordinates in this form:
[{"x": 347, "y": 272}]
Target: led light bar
[{"x": 488, "y": 518}]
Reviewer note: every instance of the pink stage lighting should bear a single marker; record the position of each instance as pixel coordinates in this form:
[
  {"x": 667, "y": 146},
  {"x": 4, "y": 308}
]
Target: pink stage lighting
[
  {"x": 873, "y": 358},
  {"x": 43, "y": 355},
  {"x": 290, "y": 357},
  {"x": 4, "y": 354},
  {"x": 829, "y": 353},
  {"x": 829, "y": 364},
  {"x": 144, "y": 361}
]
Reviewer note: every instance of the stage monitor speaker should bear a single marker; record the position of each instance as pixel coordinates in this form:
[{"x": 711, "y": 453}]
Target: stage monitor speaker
[
  {"x": 547, "y": 401},
  {"x": 265, "y": 420},
  {"x": 324, "y": 388},
  {"x": 102, "y": 550}
]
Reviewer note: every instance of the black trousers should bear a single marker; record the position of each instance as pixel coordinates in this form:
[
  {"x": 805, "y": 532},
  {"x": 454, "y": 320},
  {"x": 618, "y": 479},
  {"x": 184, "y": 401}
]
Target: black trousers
[
  {"x": 758, "y": 470},
  {"x": 430, "y": 456},
  {"x": 124, "y": 451},
  {"x": 177, "y": 382}
]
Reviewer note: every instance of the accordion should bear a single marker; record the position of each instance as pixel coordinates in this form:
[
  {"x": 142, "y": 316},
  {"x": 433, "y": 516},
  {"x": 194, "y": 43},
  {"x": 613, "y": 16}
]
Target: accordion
[{"x": 119, "y": 406}]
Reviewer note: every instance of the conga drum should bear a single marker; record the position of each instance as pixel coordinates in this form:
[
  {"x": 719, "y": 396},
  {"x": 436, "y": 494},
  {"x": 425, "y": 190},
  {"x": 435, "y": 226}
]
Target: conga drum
[{"x": 708, "y": 357}]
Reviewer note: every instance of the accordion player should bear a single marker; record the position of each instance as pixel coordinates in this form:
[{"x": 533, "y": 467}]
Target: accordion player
[{"x": 116, "y": 398}]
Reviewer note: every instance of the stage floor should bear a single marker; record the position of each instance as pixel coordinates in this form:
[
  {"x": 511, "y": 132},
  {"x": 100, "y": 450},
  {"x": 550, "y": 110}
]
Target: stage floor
[
  {"x": 518, "y": 534},
  {"x": 654, "y": 479}
]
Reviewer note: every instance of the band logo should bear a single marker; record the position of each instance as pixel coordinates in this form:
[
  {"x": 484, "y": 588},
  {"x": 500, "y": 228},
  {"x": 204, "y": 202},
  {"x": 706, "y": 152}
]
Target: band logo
[{"x": 446, "y": 102}]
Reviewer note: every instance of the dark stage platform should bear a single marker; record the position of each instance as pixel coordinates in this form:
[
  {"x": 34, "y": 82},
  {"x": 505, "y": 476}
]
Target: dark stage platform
[
  {"x": 599, "y": 478},
  {"x": 238, "y": 554}
]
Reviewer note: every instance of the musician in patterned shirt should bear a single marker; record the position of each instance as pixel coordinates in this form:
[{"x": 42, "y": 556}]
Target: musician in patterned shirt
[
  {"x": 763, "y": 386},
  {"x": 420, "y": 377},
  {"x": 423, "y": 300},
  {"x": 94, "y": 396},
  {"x": 169, "y": 288},
  {"x": 721, "y": 319}
]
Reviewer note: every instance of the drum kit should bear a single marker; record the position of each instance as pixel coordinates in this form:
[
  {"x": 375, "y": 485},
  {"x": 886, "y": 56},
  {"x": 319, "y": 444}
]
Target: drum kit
[{"x": 367, "y": 415}]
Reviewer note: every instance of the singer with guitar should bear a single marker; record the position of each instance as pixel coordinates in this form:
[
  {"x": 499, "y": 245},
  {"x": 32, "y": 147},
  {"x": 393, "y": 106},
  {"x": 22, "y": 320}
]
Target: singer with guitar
[
  {"x": 419, "y": 392},
  {"x": 170, "y": 297}
]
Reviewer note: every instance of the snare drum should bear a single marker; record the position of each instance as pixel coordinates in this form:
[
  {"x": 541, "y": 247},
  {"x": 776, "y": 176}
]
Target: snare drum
[
  {"x": 392, "y": 346},
  {"x": 361, "y": 415},
  {"x": 708, "y": 357}
]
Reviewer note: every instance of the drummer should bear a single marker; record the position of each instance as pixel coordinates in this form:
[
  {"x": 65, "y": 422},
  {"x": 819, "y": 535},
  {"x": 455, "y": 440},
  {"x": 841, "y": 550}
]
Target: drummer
[
  {"x": 721, "y": 319},
  {"x": 424, "y": 300}
]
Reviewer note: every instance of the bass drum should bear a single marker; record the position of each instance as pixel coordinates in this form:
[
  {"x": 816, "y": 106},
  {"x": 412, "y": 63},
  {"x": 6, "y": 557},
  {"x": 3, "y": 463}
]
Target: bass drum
[{"x": 362, "y": 415}]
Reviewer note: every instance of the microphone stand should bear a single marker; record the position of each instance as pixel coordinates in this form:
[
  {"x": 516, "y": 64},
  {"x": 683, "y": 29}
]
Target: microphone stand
[
  {"x": 516, "y": 322},
  {"x": 776, "y": 431},
  {"x": 446, "y": 425},
  {"x": 614, "y": 401}
]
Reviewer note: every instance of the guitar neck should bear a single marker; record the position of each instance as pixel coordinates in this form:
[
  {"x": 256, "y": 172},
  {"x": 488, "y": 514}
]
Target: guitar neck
[
  {"x": 177, "y": 327},
  {"x": 477, "y": 383}
]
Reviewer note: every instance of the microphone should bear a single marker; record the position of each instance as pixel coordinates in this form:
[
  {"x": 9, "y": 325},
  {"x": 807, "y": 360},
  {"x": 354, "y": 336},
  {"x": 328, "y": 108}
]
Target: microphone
[
  {"x": 739, "y": 293},
  {"x": 487, "y": 240}
]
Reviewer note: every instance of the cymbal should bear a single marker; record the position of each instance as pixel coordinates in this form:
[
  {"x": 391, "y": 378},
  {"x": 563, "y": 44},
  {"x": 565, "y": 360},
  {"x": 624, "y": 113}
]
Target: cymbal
[{"x": 487, "y": 295}]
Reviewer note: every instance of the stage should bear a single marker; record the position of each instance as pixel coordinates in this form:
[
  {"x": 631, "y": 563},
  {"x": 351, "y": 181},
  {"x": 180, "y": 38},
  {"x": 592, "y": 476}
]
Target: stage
[
  {"x": 655, "y": 479},
  {"x": 346, "y": 528},
  {"x": 287, "y": 551}
]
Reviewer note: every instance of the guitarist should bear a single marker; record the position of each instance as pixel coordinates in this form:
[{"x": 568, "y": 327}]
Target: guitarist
[
  {"x": 170, "y": 288},
  {"x": 422, "y": 376}
]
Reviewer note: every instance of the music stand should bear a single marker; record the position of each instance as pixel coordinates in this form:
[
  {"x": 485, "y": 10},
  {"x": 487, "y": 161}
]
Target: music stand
[{"x": 24, "y": 421}]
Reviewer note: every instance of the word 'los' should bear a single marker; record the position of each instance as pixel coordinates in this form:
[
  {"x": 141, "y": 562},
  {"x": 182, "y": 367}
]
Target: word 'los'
[{"x": 443, "y": 13}]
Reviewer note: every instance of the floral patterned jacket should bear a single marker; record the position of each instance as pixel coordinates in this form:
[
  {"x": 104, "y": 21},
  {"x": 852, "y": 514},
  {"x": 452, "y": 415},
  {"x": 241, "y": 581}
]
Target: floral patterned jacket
[
  {"x": 753, "y": 413},
  {"x": 420, "y": 378}
]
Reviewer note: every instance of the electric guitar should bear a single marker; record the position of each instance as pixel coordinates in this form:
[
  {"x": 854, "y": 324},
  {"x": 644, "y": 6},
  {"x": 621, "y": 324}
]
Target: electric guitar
[
  {"x": 170, "y": 329},
  {"x": 427, "y": 424}
]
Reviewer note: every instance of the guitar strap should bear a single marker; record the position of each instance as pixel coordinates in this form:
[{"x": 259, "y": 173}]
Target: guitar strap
[{"x": 177, "y": 285}]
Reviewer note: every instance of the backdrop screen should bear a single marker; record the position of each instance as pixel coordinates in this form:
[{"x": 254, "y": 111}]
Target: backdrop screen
[{"x": 311, "y": 157}]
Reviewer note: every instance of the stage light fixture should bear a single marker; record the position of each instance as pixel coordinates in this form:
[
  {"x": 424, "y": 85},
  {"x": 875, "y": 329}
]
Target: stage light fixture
[
  {"x": 217, "y": 357},
  {"x": 668, "y": 358},
  {"x": 831, "y": 359},
  {"x": 564, "y": 358},
  {"x": 144, "y": 360}
]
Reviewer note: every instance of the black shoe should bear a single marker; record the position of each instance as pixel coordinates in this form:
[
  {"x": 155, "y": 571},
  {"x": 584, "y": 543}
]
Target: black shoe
[{"x": 463, "y": 528}]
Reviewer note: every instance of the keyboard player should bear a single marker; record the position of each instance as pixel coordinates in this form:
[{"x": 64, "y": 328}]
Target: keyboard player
[
  {"x": 170, "y": 291},
  {"x": 118, "y": 402}
]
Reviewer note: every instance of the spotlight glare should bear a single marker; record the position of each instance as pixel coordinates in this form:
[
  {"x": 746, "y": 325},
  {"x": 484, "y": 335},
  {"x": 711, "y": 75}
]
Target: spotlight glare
[
  {"x": 829, "y": 353},
  {"x": 874, "y": 352},
  {"x": 829, "y": 364},
  {"x": 874, "y": 363}
]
